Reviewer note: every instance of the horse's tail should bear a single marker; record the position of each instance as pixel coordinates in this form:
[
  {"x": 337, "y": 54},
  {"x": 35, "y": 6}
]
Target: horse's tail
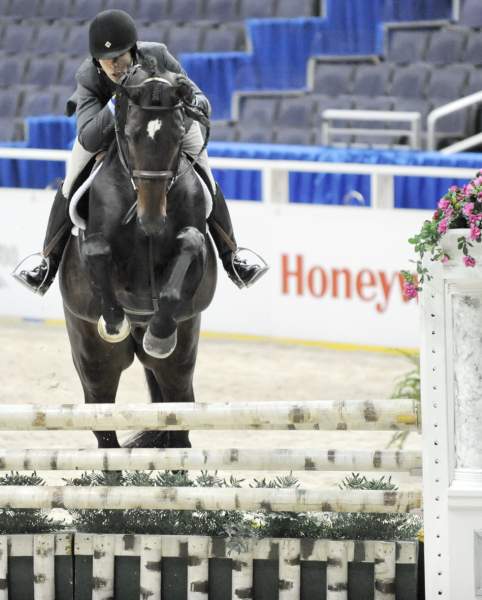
[{"x": 149, "y": 439}]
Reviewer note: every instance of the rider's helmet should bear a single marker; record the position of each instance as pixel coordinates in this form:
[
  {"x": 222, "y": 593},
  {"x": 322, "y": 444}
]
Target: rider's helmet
[{"x": 111, "y": 33}]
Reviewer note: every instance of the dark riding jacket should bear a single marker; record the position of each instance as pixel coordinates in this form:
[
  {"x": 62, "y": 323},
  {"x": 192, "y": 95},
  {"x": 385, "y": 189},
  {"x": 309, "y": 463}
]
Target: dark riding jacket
[{"x": 95, "y": 122}]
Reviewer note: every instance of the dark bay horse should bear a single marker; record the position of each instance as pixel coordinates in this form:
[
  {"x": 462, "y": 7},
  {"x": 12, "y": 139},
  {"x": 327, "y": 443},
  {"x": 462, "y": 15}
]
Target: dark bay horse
[{"x": 136, "y": 286}]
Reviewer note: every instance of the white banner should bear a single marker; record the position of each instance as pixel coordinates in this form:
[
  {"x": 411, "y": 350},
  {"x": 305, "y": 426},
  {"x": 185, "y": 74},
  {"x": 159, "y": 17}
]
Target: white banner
[{"x": 334, "y": 271}]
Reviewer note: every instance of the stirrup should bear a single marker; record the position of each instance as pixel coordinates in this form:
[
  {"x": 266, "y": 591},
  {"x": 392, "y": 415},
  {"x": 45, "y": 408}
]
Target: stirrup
[
  {"x": 263, "y": 267},
  {"x": 17, "y": 272}
]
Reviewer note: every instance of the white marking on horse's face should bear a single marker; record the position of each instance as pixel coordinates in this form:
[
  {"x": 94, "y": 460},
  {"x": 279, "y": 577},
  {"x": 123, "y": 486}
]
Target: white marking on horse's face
[{"x": 153, "y": 127}]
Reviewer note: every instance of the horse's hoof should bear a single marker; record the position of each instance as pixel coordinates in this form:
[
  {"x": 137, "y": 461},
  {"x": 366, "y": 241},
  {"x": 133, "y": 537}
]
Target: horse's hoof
[
  {"x": 159, "y": 347},
  {"x": 114, "y": 338}
]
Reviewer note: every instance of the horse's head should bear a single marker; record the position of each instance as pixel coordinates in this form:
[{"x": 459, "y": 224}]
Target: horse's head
[{"x": 150, "y": 124}]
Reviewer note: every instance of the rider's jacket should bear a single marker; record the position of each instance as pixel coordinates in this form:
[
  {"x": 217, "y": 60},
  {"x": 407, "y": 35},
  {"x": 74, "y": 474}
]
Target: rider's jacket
[{"x": 95, "y": 121}]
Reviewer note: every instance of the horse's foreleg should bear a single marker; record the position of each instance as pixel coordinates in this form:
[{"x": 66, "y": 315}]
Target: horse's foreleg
[
  {"x": 113, "y": 325},
  {"x": 161, "y": 336}
]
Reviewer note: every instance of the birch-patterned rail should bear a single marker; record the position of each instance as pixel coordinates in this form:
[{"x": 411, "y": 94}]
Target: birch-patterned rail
[
  {"x": 235, "y": 459},
  {"x": 382, "y": 415},
  {"x": 189, "y": 498}
]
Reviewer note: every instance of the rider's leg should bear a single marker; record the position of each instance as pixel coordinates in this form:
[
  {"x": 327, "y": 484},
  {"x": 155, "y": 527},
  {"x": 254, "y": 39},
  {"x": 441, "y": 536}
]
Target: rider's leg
[
  {"x": 41, "y": 277},
  {"x": 219, "y": 221}
]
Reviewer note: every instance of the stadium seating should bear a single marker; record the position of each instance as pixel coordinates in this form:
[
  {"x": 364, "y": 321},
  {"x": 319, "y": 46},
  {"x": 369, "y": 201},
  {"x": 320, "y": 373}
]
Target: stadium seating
[{"x": 471, "y": 13}]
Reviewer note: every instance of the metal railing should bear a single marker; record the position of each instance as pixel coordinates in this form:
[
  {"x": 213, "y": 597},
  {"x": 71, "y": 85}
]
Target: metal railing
[
  {"x": 412, "y": 118},
  {"x": 275, "y": 173}
]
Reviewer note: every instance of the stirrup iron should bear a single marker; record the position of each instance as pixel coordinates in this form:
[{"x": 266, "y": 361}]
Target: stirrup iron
[
  {"x": 17, "y": 271},
  {"x": 262, "y": 263}
]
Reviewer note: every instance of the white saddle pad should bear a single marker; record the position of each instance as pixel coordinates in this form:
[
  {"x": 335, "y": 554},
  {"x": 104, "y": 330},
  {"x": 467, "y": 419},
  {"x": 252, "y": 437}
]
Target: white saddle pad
[{"x": 79, "y": 222}]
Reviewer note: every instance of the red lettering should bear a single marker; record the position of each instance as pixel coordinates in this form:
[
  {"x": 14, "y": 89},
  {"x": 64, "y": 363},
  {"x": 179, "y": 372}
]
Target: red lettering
[
  {"x": 365, "y": 279},
  {"x": 347, "y": 278},
  {"x": 386, "y": 288},
  {"x": 317, "y": 282},
  {"x": 286, "y": 274}
]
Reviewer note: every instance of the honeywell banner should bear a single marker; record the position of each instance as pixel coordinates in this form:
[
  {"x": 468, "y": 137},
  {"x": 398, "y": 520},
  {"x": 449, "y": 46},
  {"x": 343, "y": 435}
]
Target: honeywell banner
[{"x": 334, "y": 271}]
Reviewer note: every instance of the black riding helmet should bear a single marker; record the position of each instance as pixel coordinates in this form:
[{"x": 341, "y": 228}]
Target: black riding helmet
[{"x": 111, "y": 33}]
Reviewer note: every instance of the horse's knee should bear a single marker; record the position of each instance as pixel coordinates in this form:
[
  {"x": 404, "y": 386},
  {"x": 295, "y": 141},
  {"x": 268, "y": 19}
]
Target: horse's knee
[{"x": 191, "y": 240}]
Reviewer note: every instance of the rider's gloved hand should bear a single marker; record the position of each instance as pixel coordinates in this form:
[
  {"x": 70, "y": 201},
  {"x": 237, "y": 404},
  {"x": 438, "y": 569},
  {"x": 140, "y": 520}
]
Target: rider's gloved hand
[{"x": 185, "y": 89}]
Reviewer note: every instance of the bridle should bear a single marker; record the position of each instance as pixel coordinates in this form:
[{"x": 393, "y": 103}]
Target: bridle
[{"x": 172, "y": 176}]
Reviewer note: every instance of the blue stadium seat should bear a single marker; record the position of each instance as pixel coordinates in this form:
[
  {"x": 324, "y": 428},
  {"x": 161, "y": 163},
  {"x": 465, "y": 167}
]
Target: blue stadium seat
[
  {"x": 258, "y": 111},
  {"x": 377, "y": 103},
  {"x": 85, "y": 10},
  {"x": 225, "y": 38},
  {"x": 448, "y": 82},
  {"x": 54, "y": 9},
  {"x": 324, "y": 102},
  {"x": 221, "y": 10},
  {"x": 50, "y": 38},
  {"x": 130, "y": 6},
  {"x": 446, "y": 46},
  {"x": 301, "y": 136},
  {"x": 474, "y": 83},
  {"x": 410, "y": 81},
  {"x": 153, "y": 10},
  {"x": 42, "y": 71},
  {"x": 158, "y": 32},
  {"x": 254, "y": 9},
  {"x": 11, "y": 69},
  {"x": 473, "y": 50},
  {"x": 471, "y": 13},
  {"x": 288, "y": 9},
  {"x": 77, "y": 41},
  {"x": 4, "y": 5},
  {"x": 18, "y": 38},
  {"x": 68, "y": 69},
  {"x": 7, "y": 129},
  {"x": 38, "y": 103},
  {"x": 185, "y": 38},
  {"x": 9, "y": 101},
  {"x": 61, "y": 94},
  {"x": 296, "y": 112},
  {"x": 254, "y": 134},
  {"x": 24, "y": 9},
  {"x": 186, "y": 10},
  {"x": 407, "y": 46},
  {"x": 372, "y": 80},
  {"x": 333, "y": 78},
  {"x": 223, "y": 132}
]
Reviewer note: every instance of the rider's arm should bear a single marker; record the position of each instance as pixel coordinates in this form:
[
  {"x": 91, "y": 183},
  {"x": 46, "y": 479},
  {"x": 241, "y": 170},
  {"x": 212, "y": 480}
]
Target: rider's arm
[{"x": 95, "y": 121}]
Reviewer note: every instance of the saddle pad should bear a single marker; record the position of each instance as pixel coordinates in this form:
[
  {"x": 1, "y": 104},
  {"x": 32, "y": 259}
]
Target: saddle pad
[{"x": 79, "y": 222}]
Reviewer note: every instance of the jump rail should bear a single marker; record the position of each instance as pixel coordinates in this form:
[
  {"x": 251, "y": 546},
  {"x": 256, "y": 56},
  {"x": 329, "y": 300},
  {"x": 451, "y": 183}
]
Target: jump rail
[
  {"x": 275, "y": 173},
  {"x": 233, "y": 459},
  {"x": 381, "y": 415}
]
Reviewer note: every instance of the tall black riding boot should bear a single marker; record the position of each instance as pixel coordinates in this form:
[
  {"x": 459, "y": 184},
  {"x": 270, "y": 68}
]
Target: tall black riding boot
[
  {"x": 221, "y": 229},
  {"x": 41, "y": 277}
]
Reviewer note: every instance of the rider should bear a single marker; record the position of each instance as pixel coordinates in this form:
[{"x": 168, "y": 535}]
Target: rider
[{"x": 114, "y": 47}]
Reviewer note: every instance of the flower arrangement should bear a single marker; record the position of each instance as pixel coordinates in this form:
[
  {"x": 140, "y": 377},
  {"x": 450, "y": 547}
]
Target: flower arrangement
[{"x": 459, "y": 208}]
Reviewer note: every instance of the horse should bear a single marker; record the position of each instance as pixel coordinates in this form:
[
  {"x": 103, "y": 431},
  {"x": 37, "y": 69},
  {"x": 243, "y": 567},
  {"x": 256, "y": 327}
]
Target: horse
[{"x": 135, "y": 281}]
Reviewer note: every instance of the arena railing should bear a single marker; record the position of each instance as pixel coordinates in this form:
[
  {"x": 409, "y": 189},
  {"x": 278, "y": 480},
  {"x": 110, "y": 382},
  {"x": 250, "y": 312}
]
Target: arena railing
[{"x": 275, "y": 173}]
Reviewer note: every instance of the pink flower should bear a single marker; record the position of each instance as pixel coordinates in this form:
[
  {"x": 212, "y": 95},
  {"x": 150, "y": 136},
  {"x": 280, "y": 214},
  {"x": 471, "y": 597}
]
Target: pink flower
[
  {"x": 469, "y": 261},
  {"x": 474, "y": 219},
  {"x": 409, "y": 290},
  {"x": 468, "y": 189},
  {"x": 449, "y": 212},
  {"x": 453, "y": 188},
  {"x": 468, "y": 209},
  {"x": 478, "y": 180},
  {"x": 443, "y": 203},
  {"x": 445, "y": 259},
  {"x": 474, "y": 233},
  {"x": 442, "y": 226}
]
